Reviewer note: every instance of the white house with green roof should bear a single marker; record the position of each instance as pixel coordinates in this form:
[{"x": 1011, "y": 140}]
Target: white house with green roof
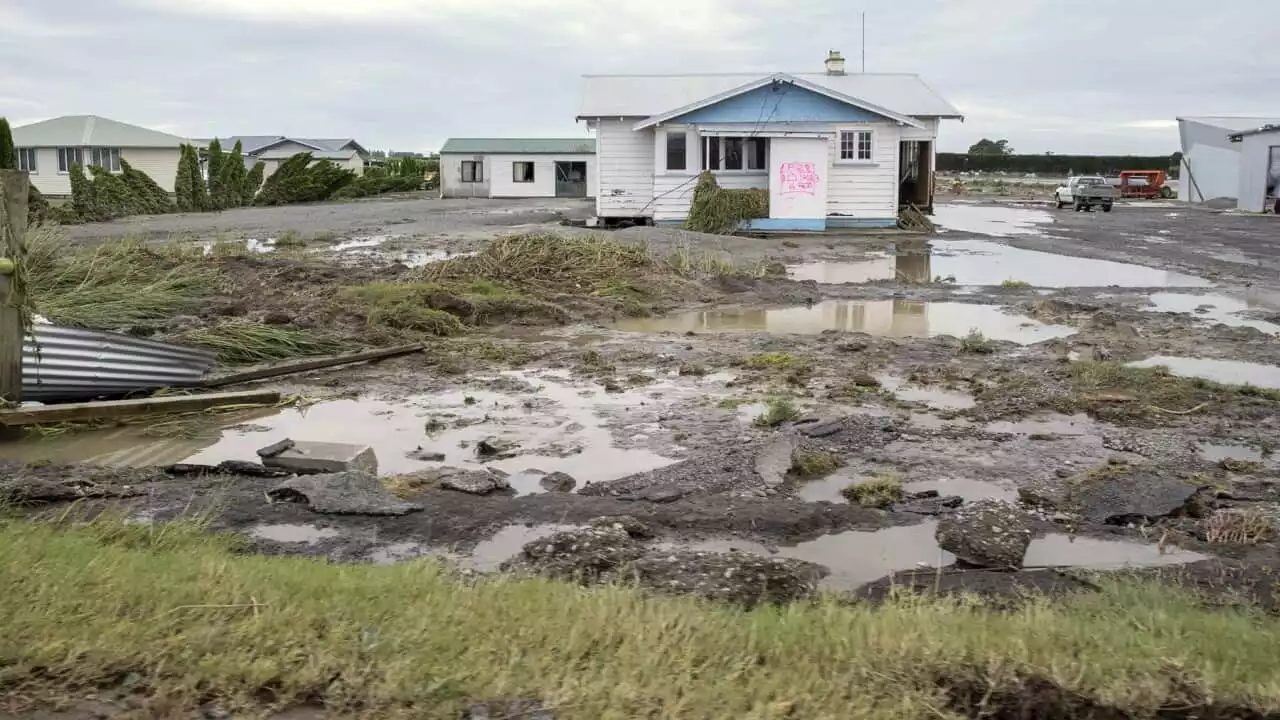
[
  {"x": 518, "y": 167},
  {"x": 49, "y": 148},
  {"x": 835, "y": 149}
]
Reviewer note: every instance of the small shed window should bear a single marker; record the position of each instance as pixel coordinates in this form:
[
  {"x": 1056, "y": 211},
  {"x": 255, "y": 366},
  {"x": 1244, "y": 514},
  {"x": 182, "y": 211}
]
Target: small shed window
[
  {"x": 105, "y": 158},
  {"x": 757, "y": 153},
  {"x": 472, "y": 171},
  {"x": 68, "y": 156},
  {"x": 522, "y": 172},
  {"x": 677, "y": 146},
  {"x": 27, "y": 160},
  {"x": 855, "y": 145}
]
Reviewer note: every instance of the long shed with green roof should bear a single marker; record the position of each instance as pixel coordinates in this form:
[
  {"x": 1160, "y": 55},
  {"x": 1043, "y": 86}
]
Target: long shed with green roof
[{"x": 518, "y": 167}]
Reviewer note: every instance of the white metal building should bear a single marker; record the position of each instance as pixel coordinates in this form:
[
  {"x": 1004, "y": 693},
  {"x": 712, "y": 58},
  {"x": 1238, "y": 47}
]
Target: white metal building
[
  {"x": 1211, "y": 166},
  {"x": 834, "y": 149},
  {"x": 518, "y": 168},
  {"x": 1259, "y": 168}
]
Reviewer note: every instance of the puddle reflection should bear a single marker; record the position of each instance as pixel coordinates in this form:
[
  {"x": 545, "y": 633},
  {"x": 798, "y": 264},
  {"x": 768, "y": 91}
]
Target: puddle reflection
[
  {"x": 1211, "y": 308},
  {"x": 1227, "y": 372},
  {"x": 888, "y": 318}
]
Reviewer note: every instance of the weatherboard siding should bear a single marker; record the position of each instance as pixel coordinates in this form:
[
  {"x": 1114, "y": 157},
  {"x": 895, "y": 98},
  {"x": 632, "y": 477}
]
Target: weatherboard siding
[
  {"x": 160, "y": 164},
  {"x": 47, "y": 179},
  {"x": 779, "y": 103},
  {"x": 865, "y": 190},
  {"x": 624, "y": 165},
  {"x": 502, "y": 184}
]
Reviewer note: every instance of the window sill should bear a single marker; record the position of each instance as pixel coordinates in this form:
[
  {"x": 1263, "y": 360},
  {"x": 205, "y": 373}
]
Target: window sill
[
  {"x": 739, "y": 172},
  {"x": 857, "y": 163}
]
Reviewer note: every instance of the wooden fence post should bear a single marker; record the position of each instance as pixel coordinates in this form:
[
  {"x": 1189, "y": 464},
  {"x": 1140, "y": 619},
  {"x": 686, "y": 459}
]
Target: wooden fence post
[{"x": 13, "y": 228}]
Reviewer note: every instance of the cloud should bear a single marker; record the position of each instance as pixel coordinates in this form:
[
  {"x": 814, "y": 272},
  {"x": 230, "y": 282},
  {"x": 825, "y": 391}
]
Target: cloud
[{"x": 409, "y": 73}]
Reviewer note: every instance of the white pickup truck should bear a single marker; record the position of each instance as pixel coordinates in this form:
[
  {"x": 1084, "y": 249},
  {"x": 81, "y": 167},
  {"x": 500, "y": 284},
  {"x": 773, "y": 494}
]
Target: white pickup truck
[{"x": 1084, "y": 192}]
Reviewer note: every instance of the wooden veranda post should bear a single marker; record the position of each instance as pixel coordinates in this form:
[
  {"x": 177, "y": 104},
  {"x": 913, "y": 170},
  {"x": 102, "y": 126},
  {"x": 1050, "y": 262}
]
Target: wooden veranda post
[{"x": 13, "y": 228}]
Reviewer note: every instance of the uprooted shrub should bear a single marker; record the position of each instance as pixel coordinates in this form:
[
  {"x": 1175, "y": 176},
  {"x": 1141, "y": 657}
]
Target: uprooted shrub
[
  {"x": 721, "y": 210},
  {"x": 300, "y": 180},
  {"x": 367, "y": 186}
]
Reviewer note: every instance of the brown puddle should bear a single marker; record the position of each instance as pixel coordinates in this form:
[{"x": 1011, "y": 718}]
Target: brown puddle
[
  {"x": 289, "y": 533},
  {"x": 558, "y": 426},
  {"x": 887, "y": 318},
  {"x": 1054, "y": 424},
  {"x": 934, "y": 397},
  {"x": 1227, "y": 372},
  {"x": 1215, "y": 452},
  {"x": 856, "y": 558},
  {"x": 985, "y": 263}
]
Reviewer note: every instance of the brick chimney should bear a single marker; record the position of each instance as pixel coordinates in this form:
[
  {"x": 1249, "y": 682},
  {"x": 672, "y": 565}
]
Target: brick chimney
[{"x": 835, "y": 63}]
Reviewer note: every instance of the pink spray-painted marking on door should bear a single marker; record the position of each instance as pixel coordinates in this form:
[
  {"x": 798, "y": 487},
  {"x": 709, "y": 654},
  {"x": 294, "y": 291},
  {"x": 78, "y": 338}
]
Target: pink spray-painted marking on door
[{"x": 798, "y": 178}]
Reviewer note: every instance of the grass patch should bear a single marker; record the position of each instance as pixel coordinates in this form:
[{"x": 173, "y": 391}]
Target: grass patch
[
  {"x": 776, "y": 411},
  {"x": 976, "y": 342},
  {"x": 881, "y": 491},
  {"x": 1011, "y": 283},
  {"x": 1155, "y": 390},
  {"x": 1239, "y": 527},
  {"x": 243, "y": 341},
  {"x": 198, "y": 623},
  {"x": 291, "y": 239},
  {"x": 114, "y": 285},
  {"x": 772, "y": 361},
  {"x": 809, "y": 464}
]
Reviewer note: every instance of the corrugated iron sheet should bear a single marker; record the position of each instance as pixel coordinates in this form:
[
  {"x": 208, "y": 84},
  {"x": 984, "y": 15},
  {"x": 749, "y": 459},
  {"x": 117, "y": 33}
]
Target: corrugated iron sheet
[{"x": 60, "y": 364}]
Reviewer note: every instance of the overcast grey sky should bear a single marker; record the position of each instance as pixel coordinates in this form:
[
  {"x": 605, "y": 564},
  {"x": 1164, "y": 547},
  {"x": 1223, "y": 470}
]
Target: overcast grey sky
[{"x": 405, "y": 74}]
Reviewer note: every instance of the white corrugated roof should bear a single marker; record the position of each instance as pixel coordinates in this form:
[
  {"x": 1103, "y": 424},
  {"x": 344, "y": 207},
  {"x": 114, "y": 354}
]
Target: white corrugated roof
[
  {"x": 90, "y": 131},
  {"x": 647, "y": 95},
  {"x": 1232, "y": 123}
]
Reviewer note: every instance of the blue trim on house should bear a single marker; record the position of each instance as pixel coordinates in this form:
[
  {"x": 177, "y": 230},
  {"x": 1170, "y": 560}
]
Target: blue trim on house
[
  {"x": 777, "y": 103},
  {"x": 842, "y": 221},
  {"x": 807, "y": 224}
]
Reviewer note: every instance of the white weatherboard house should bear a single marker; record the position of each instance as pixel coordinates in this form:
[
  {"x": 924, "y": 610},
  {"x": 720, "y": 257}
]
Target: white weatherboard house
[
  {"x": 834, "y": 149},
  {"x": 1211, "y": 161},
  {"x": 48, "y": 149},
  {"x": 518, "y": 167}
]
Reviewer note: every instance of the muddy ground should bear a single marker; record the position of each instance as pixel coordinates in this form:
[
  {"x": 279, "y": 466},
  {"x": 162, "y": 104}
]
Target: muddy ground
[{"x": 866, "y": 337}]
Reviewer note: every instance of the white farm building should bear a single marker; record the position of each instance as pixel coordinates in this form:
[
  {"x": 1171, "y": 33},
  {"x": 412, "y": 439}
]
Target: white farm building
[
  {"x": 834, "y": 149},
  {"x": 1212, "y": 166},
  {"x": 518, "y": 168}
]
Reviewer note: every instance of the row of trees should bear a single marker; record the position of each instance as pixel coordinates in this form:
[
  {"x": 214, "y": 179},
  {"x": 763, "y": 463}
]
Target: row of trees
[
  {"x": 218, "y": 182},
  {"x": 225, "y": 182}
]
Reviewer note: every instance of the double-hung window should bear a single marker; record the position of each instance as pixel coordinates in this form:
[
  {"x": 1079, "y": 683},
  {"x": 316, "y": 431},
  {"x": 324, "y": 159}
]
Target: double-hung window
[
  {"x": 677, "y": 147},
  {"x": 106, "y": 158},
  {"x": 855, "y": 145},
  {"x": 27, "y": 160},
  {"x": 68, "y": 156},
  {"x": 472, "y": 171},
  {"x": 522, "y": 171}
]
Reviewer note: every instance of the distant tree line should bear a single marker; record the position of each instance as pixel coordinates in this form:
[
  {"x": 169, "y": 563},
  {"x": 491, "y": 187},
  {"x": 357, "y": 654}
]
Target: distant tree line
[
  {"x": 211, "y": 180},
  {"x": 996, "y": 156}
]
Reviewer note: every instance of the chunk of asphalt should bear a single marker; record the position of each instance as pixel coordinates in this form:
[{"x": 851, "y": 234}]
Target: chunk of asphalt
[
  {"x": 344, "y": 493},
  {"x": 822, "y": 428},
  {"x": 989, "y": 533},
  {"x": 22, "y": 490}
]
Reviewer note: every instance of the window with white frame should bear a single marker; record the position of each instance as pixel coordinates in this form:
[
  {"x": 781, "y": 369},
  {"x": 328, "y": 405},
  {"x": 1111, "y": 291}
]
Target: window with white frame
[
  {"x": 855, "y": 145},
  {"x": 677, "y": 148},
  {"x": 106, "y": 158},
  {"x": 472, "y": 171},
  {"x": 522, "y": 171},
  {"x": 27, "y": 160},
  {"x": 743, "y": 154},
  {"x": 68, "y": 156}
]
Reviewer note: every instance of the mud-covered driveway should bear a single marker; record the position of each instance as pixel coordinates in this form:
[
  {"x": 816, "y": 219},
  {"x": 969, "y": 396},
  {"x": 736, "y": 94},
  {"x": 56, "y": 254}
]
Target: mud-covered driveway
[{"x": 1007, "y": 358}]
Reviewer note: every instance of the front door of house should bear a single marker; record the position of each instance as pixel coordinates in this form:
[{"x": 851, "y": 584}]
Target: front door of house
[{"x": 798, "y": 169}]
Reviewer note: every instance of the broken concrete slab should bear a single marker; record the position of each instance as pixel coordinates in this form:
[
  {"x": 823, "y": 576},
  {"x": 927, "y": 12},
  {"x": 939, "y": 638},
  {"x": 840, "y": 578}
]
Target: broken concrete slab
[
  {"x": 740, "y": 578},
  {"x": 30, "y": 490},
  {"x": 1124, "y": 495},
  {"x": 773, "y": 461},
  {"x": 497, "y": 449},
  {"x": 474, "y": 482},
  {"x": 323, "y": 457},
  {"x": 584, "y": 554},
  {"x": 988, "y": 533},
  {"x": 344, "y": 493}
]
